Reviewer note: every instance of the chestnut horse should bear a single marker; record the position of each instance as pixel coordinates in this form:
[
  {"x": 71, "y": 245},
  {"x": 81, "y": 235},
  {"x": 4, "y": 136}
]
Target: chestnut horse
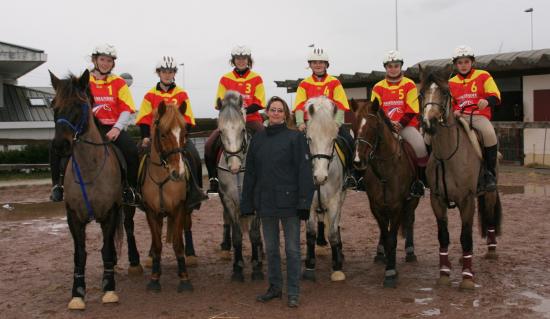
[
  {"x": 452, "y": 172},
  {"x": 388, "y": 175},
  {"x": 164, "y": 189},
  {"x": 93, "y": 185}
]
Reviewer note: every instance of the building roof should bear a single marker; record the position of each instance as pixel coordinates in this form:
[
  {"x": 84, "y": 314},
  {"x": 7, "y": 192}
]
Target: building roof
[
  {"x": 500, "y": 65},
  {"x": 17, "y": 105},
  {"x": 16, "y": 60}
]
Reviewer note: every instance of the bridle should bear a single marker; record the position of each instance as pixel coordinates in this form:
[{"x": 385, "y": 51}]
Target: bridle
[{"x": 163, "y": 155}]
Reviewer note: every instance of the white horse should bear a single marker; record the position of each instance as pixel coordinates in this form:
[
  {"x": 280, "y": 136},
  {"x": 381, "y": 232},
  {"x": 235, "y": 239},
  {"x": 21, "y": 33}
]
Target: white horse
[
  {"x": 235, "y": 139},
  {"x": 328, "y": 175}
]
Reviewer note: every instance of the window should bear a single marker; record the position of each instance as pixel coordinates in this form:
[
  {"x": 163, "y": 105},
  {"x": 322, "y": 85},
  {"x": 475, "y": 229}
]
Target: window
[{"x": 37, "y": 101}]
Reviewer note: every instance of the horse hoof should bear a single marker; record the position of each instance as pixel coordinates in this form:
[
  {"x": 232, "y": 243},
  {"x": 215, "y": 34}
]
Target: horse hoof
[
  {"x": 225, "y": 255},
  {"x": 154, "y": 286},
  {"x": 390, "y": 281},
  {"x": 77, "y": 303},
  {"x": 411, "y": 258},
  {"x": 185, "y": 286},
  {"x": 237, "y": 277},
  {"x": 191, "y": 261},
  {"x": 309, "y": 274},
  {"x": 257, "y": 276},
  {"x": 338, "y": 276},
  {"x": 109, "y": 297},
  {"x": 467, "y": 284},
  {"x": 135, "y": 270},
  {"x": 444, "y": 281},
  {"x": 148, "y": 263},
  {"x": 379, "y": 259},
  {"x": 491, "y": 254}
]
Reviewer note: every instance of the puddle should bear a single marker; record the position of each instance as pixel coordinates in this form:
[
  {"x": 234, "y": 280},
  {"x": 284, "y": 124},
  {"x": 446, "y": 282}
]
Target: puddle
[
  {"x": 527, "y": 189},
  {"x": 544, "y": 305},
  {"x": 422, "y": 301},
  {"x": 26, "y": 211},
  {"x": 431, "y": 312}
]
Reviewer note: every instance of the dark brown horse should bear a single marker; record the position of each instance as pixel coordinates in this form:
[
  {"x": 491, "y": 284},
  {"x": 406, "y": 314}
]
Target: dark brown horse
[
  {"x": 164, "y": 189},
  {"x": 388, "y": 175},
  {"x": 453, "y": 171},
  {"x": 93, "y": 186}
]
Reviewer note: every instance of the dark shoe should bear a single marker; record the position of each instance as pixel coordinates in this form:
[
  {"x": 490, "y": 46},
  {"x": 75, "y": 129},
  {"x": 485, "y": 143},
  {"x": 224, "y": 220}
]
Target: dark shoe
[
  {"x": 271, "y": 293},
  {"x": 361, "y": 185},
  {"x": 487, "y": 182},
  {"x": 293, "y": 301},
  {"x": 350, "y": 182},
  {"x": 213, "y": 186},
  {"x": 130, "y": 197},
  {"x": 57, "y": 193},
  {"x": 417, "y": 189}
]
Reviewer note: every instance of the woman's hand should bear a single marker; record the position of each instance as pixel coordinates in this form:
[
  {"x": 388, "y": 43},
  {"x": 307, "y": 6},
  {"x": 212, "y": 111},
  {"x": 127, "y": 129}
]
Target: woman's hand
[
  {"x": 481, "y": 104},
  {"x": 396, "y": 126},
  {"x": 113, "y": 134},
  {"x": 145, "y": 142},
  {"x": 458, "y": 113},
  {"x": 302, "y": 127}
]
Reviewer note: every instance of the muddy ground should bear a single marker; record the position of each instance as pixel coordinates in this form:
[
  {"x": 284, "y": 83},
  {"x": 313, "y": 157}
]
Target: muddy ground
[{"x": 36, "y": 263}]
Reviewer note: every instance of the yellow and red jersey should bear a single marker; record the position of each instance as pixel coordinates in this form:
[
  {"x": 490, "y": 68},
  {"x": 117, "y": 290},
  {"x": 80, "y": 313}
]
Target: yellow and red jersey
[
  {"x": 328, "y": 86},
  {"x": 398, "y": 100},
  {"x": 155, "y": 95},
  {"x": 478, "y": 84},
  {"x": 250, "y": 85},
  {"x": 111, "y": 97}
]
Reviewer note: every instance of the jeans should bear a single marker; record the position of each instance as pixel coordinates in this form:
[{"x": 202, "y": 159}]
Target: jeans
[{"x": 291, "y": 229}]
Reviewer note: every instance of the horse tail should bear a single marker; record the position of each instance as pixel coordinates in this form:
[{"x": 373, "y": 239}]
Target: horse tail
[
  {"x": 489, "y": 212},
  {"x": 170, "y": 230},
  {"x": 119, "y": 231}
]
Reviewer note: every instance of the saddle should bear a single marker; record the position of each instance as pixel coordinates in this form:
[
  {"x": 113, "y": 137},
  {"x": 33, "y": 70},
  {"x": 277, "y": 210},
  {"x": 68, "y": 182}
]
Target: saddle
[{"x": 344, "y": 151}]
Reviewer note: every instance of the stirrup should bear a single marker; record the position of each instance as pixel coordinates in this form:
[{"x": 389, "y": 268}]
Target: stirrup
[
  {"x": 417, "y": 189},
  {"x": 130, "y": 197},
  {"x": 350, "y": 182}
]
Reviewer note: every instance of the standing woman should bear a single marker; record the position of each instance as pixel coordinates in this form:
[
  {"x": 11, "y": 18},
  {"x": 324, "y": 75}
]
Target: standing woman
[
  {"x": 166, "y": 90},
  {"x": 250, "y": 85},
  {"x": 278, "y": 186},
  {"x": 474, "y": 93},
  {"x": 112, "y": 107}
]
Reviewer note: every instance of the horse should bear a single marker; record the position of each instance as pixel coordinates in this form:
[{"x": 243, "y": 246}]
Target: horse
[
  {"x": 93, "y": 185},
  {"x": 389, "y": 174},
  {"x": 231, "y": 167},
  {"x": 453, "y": 170},
  {"x": 164, "y": 190},
  {"x": 328, "y": 176}
]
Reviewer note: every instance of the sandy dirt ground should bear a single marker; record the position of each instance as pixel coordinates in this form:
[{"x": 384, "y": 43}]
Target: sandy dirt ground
[{"x": 36, "y": 264}]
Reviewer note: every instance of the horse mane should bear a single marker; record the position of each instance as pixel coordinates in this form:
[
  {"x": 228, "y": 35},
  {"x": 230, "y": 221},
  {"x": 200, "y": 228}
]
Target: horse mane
[
  {"x": 170, "y": 118},
  {"x": 321, "y": 111},
  {"x": 68, "y": 93},
  {"x": 231, "y": 108}
]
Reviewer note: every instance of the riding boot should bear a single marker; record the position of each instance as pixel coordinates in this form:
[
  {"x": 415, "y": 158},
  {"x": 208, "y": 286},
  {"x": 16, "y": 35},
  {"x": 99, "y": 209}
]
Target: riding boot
[
  {"x": 417, "y": 187},
  {"x": 130, "y": 196},
  {"x": 211, "y": 164},
  {"x": 488, "y": 179},
  {"x": 194, "y": 193}
]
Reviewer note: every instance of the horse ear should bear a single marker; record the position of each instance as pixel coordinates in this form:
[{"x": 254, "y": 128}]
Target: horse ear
[
  {"x": 420, "y": 73},
  {"x": 182, "y": 108},
  {"x": 84, "y": 80},
  {"x": 310, "y": 109},
  {"x": 219, "y": 104},
  {"x": 353, "y": 105},
  {"x": 375, "y": 106},
  {"x": 240, "y": 100},
  {"x": 55, "y": 80},
  {"x": 161, "y": 108}
]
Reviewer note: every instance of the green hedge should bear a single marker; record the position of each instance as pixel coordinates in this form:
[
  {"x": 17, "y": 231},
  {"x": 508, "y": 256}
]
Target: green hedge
[{"x": 31, "y": 154}]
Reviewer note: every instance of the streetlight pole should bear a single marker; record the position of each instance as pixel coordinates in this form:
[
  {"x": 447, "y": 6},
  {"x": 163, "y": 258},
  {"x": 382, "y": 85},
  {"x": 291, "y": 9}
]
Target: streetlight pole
[
  {"x": 396, "y": 32},
  {"x": 530, "y": 10},
  {"x": 182, "y": 75}
]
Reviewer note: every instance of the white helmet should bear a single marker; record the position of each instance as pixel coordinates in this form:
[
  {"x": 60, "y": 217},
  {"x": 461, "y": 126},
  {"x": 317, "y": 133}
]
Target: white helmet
[
  {"x": 241, "y": 50},
  {"x": 392, "y": 56},
  {"x": 317, "y": 54},
  {"x": 463, "y": 51},
  {"x": 167, "y": 63},
  {"x": 105, "y": 49}
]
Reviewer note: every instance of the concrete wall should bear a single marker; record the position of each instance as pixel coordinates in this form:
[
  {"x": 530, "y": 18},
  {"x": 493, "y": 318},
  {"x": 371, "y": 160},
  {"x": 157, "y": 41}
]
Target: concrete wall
[
  {"x": 356, "y": 93},
  {"x": 530, "y": 84},
  {"x": 536, "y": 146}
]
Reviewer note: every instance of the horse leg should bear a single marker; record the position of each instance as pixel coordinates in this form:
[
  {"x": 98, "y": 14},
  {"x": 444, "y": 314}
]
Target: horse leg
[
  {"x": 440, "y": 212},
  {"x": 467, "y": 215},
  {"x": 133, "y": 254},
  {"x": 191, "y": 257},
  {"x": 257, "y": 249},
  {"x": 238, "y": 262},
  {"x": 226, "y": 243},
  {"x": 336, "y": 243},
  {"x": 380, "y": 257},
  {"x": 409, "y": 236},
  {"x": 309, "y": 271},
  {"x": 321, "y": 241},
  {"x": 108, "y": 252},
  {"x": 78, "y": 232},
  {"x": 390, "y": 275},
  {"x": 155, "y": 225},
  {"x": 179, "y": 250}
]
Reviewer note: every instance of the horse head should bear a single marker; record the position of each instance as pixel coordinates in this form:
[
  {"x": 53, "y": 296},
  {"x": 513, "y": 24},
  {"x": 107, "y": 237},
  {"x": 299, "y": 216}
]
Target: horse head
[
  {"x": 322, "y": 132},
  {"x": 72, "y": 110},
  {"x": 232, "y": 126},
  {"x": 435, "y": 101},
  {"x": 169, "y": 136}
]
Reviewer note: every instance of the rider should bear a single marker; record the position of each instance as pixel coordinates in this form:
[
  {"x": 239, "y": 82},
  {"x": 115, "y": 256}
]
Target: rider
[
  {"x": 398, "y": 97},
  {"x": 473, "y": 91},
  {"x": 113, "y": 105},
  {"x": 248, "y": 83},
  {"x": 167, "y": 90},
  {"x": 321, "y": 83}
]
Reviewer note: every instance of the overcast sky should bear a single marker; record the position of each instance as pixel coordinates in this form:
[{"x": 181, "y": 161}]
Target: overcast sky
[{"x": 201, "y": 34}]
